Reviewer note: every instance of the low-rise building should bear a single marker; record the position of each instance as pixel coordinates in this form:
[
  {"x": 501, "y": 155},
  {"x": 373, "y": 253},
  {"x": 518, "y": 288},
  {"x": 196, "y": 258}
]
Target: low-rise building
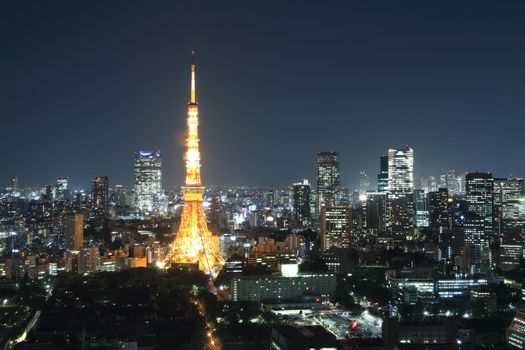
[
  {"x": 516, "y": 332},
  {"x": 288, "y": 285},
  {"x": 284, "y": 337}
]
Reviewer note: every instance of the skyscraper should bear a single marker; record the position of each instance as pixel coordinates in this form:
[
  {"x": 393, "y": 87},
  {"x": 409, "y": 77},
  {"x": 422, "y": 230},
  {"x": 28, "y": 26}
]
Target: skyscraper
[
  {"x": 148, "y": 181},
  {"x": 400, "y": 198},
  {"x": 364, "y": 184},
  {"x": 328, "y": 186},
  {"x": 507, "y": 196},
  {"x": 382, "y": 177},
  {"x": 74, "y": 231},
  {"x": 438, "y": 209},
  {"x": 453, "y": 182},
  {"x": 479, "y": 223},
  {"x": 99, "y": 193},
  {"x": 375, "y": 213},
  {"x": 120, "y": 196},
  {"x": 421, "y": 208},
  {"x": 336, "y": 226},
  {"x": 194, "y": 243},
  {"x": 62, "y": 190},
  {"x": 301, "y": 204}
]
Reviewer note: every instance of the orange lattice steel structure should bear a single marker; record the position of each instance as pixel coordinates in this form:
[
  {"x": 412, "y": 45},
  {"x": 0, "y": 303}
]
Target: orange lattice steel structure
[{"x": 194, "y": 243}]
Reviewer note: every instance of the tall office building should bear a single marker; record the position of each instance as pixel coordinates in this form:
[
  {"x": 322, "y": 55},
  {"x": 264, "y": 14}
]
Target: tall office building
[
  {"x": 479, "y": 222},
  {"x": 74, "y": 231},
  {"x": 328, "y": 186},
  {"x": 99, "y": 193},
  {"x": 62, "y": 189},
  {"x": 14, "y": 184},
  {"x": 438, "y": 209},
  {"x": 421, "y": 208},
  {"x": 301, "y": 204},
  {"x": 375, "y": 208},
  {"x": 120, "y": 196},
  {"x": 429, "y": 184},
  {"x": 508, "y": 195},
  {"x": 364, "y": 183},
  {"x": 382, "y": 177},
  {"x": 452, "y": 182},
  {"x": 400, "y": 198},
  {"x": 336, "y": 226},
  {"x": 148, "y": 181}
]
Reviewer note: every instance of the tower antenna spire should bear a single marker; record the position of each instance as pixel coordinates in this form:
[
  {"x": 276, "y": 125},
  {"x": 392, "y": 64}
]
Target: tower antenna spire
[{"x": 193, "y": 92}]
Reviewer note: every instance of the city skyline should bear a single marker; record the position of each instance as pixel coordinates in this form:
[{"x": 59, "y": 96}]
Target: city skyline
[
  {"x": 436, "y": 85},
  {"x": 361, "y": 179}
]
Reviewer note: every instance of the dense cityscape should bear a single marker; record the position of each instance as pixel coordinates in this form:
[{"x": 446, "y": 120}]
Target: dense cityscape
[
  {"x": 398, "y": 266},
  {"x": 397, "y": 261}
]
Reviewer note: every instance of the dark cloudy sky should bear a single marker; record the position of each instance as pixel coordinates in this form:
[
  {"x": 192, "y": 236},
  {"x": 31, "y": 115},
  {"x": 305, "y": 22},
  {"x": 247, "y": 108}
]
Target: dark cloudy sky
[{"x": 83, "y": 84}]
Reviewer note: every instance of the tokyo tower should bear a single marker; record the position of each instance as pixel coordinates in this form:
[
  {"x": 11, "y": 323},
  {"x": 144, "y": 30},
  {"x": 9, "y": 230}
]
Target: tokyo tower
[{"x": 194, "y": 244}]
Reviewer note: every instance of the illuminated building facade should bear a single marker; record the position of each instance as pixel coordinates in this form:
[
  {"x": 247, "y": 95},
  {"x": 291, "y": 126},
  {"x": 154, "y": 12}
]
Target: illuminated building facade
[
  {"x": 400, "y": 198},
  {"x": 516, "y": 332},
  {"x": 452, "y": 182},
  {"x": 328, "y": 186},
  {"x": 62, "y": 190},
  {"x": 194, "y": 243},
  {"x": 421, "y": 208},
  {"x": 507, "y": 195},
  {"x": 301, "y": 204},
  {"x": 364, "y": 183},
  {"x": 89, "y": 260},
  {"x": 74, "y": 227},
  {"x": 289, "y": 285},
  {"x": 382, "y": 177},
  {"x": 100, "y": 193},
  {"x": 438, "y": 209},
  {"x": 426, "y": 287},
  {"x": 509, "y": 256},
  {"x": 120, "y": 196},
  {"x": 336, "y": 226},
  {"x": 148, "y": 182},
  {"x": 479, "y": 223}
]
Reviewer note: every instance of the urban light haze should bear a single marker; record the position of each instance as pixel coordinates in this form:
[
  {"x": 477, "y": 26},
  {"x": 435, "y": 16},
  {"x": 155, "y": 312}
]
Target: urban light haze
[{"x": 86, "y": 84}]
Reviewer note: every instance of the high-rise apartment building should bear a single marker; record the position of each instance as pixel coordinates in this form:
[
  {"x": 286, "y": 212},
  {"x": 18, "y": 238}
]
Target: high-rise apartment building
[
  {"x": 301, "y": 192},
  {"x": 74, "y": 231},
  {"x": 328, "y": 186},
  {"x": 88, "y": 260},
  {"x": 148, "y": 182}
]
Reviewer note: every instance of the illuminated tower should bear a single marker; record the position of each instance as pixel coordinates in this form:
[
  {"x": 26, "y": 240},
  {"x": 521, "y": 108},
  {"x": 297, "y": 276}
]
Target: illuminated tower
[{"x": 194, "y": 243}]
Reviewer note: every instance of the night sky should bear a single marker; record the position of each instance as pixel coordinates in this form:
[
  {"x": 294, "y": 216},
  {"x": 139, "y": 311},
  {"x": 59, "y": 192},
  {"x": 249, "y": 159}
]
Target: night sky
[{"x": 85, "y": 84}]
